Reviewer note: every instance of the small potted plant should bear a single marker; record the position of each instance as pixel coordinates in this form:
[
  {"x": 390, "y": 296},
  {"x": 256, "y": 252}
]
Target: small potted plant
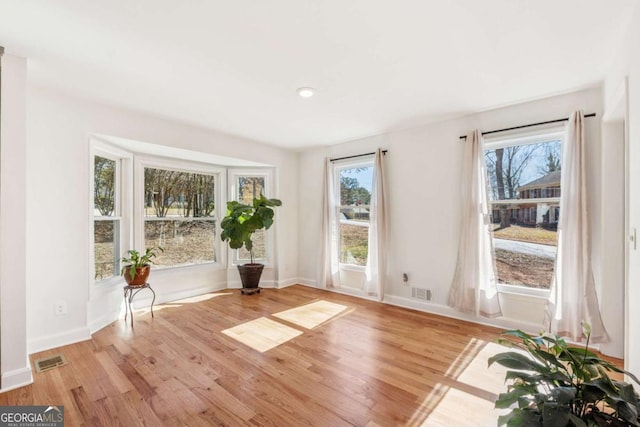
[
  {"x": 239, "y": 225},
  {"x": 137, "y": 268}
]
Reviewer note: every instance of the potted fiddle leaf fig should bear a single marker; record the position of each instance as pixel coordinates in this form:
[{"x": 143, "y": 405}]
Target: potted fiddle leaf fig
[
  {"x": 238, "y": 227},
  {"x": 554, "y": 384},
  {"x": 138, "y": 266}
]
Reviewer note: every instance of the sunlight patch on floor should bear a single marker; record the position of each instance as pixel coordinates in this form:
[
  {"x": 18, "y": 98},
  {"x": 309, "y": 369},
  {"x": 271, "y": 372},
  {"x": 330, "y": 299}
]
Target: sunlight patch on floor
[
  {"x": 490, "y": 379},
  {"x": 311, "y": 315},
  {"x": 262, "y": 334},
  {"x": 467, "y": 395},
  {"x": 461, "y": 409}
]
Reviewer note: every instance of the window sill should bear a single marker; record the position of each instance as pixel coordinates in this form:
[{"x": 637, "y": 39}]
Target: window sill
[
  {"x": 212, "y": 264},
  {"x": 523, "y": 291},
  {"x": 350, "y": 267}
]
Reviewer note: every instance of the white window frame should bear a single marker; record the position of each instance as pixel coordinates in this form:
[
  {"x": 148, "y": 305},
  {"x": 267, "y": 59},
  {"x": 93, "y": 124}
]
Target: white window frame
[
  {"x": 123, "y": 206},
  {"x": 524, "y": 138},
  {"x": 338, "y": 166},
  {"x": 269, "y": 188},
  {"x": 143, "y": 161}
]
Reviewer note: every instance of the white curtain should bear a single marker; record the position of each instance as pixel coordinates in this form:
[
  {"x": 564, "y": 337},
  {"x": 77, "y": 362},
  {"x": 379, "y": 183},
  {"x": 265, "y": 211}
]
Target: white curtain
[
  {"x": 328, "y": 262},
  {"x": 573, "y": 294},
  {"x": 474, "y": 287},
  {"x": 376, "y": 270}
]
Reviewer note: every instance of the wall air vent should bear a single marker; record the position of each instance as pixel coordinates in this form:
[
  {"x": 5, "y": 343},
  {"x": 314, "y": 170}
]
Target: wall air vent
[
  {"x": 421, "y": 293},
  {"x": 43, "y": 365}
]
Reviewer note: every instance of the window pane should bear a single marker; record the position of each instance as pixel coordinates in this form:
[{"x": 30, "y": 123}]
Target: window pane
[
  {"x": 259, "y": 239},
  {"x": 354, "y": 244},
  {"x": 249, "y": 188},
  {"x": 355, "y": 196},
  {"x": 106, "y": 248},
  {"x": 522, "y": 171},
  {"x": 185, "y": 241},
  {"x": 180, "y": 216},
  {"x": 525, "y": 229},
  {"x": 171, "y": 193},
  {"x": 104, "y": 188},
  {"x": 355, "y": 186}
]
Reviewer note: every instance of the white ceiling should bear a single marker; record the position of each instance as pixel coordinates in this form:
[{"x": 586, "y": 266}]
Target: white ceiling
[{"x": 378, "y": 65}]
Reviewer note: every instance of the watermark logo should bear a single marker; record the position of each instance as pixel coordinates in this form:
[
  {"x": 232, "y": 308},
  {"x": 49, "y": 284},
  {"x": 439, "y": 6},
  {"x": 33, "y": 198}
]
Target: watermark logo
[{"x": 32, "y": 416}]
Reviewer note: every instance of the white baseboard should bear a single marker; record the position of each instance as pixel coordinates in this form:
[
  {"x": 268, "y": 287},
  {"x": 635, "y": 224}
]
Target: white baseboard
[
  {"x": 307, "y": 282},
  {"x": 447, "y": 311},
  {"x": 358, "y": 293},
  {"x": 58, "y": 340},
  {"x": 267, "y": 284},
  {"x": 289, "y": 282},
  {"x": 16, "y": 378},
  {"x": 103, "y": 321}
]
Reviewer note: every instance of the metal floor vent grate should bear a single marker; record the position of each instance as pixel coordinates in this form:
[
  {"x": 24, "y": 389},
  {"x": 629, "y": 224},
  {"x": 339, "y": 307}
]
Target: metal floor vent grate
[{"x": 43, "y": 365}]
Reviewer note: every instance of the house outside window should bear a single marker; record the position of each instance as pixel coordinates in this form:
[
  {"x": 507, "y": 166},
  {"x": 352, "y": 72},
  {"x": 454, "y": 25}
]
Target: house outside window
[{"x": 523, "y": 173}]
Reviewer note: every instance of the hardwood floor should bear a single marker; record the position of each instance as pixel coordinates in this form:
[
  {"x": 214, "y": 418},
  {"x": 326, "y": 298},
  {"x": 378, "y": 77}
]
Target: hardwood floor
[{"x": 370, "y": 365}]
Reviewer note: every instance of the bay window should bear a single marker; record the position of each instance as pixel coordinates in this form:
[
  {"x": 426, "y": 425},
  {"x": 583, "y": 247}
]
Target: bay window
[{"x": 139, "y": 200}]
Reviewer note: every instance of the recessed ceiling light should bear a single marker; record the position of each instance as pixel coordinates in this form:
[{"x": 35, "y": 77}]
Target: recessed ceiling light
[{"x": 306, "y": 92}]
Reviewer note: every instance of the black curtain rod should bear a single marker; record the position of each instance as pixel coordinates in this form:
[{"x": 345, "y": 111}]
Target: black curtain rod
[
  {"x": 357, "y": 155},
  {"x": 529, "y": 125}
]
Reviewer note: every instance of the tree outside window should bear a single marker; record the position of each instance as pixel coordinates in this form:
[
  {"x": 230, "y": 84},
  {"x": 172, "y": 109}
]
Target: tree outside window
[
  {"x": 106, "y": 224},
  {"x": 524, "y": 193},
  {"x": 353, "y": 213},
  {"x": 180, "y": 216}
]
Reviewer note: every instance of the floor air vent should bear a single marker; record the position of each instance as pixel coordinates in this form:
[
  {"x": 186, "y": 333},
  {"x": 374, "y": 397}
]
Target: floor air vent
[
  {"x": 421, "y": 293},
  {"x": 43, "y": 365}
]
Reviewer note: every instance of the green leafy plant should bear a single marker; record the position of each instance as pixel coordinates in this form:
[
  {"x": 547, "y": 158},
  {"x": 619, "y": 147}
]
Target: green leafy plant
[
  {"x": 243, "y": 220},
  {"x": 135, "y": 260},
  {"x": 553, "y": 384}
]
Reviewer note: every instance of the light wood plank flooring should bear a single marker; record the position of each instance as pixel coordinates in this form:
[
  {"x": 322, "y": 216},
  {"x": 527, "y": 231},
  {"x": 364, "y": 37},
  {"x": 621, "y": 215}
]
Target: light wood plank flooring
[{"x": 370, "y": 364}]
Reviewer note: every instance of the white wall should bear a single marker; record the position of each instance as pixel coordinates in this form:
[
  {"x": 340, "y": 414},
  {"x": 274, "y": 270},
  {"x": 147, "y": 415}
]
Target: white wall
[
  {"x": 627, "y": 64},
  {"x": 424, "y": 181},
  {"x": 15, "y": 366},
  {"x": 57, "y": 195}
]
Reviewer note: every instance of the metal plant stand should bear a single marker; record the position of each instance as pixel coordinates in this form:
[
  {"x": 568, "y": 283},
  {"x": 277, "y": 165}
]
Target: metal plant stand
[{"x": 132, "y": 291}]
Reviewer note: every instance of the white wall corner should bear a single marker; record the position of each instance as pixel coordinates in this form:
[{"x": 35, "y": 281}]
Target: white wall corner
[
  {"x": 102, "y": 321},
  {"x": 58, "y": 340},
  {"x": 287, "y": 282},
  {"x": 307, "y": 282}
]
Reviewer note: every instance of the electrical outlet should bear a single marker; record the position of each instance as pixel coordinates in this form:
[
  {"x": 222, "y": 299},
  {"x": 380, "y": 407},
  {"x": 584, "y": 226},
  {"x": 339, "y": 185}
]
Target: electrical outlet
[
  {"x": 60, "y": 308},
  {"x": 405, "y": 279}
]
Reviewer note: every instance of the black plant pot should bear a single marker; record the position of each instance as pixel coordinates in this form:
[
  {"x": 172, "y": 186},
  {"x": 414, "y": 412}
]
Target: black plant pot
[{"x": 250, "y": 277}]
